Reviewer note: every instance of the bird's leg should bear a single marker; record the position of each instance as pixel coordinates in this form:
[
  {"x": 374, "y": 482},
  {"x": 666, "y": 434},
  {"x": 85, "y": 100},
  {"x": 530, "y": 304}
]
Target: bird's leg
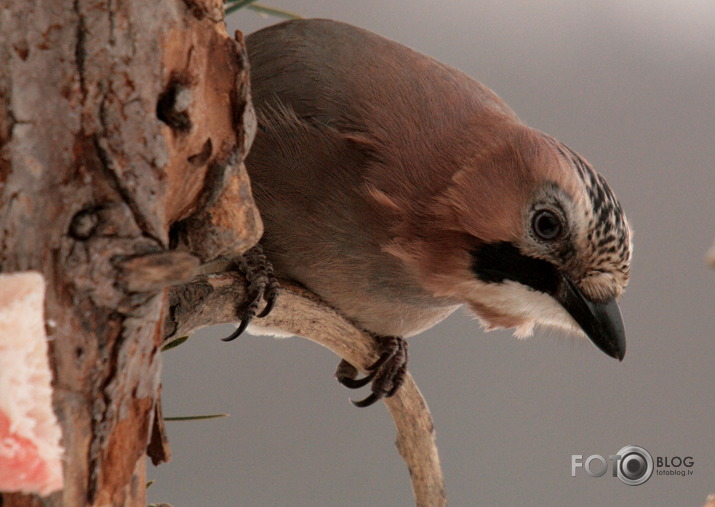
[
  {"x": 262, "y": 285},
  {"x": 386, "y": 374}
]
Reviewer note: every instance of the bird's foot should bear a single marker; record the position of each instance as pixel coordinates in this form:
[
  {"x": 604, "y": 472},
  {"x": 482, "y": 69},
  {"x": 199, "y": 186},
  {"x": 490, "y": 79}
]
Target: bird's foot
[
  {"x": 385, "y": 375},
  {"x": 262, "y": 285}
]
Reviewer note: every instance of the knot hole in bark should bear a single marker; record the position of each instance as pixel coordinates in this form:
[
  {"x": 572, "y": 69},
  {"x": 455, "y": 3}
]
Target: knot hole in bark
[{"x": 173, "y": 105}]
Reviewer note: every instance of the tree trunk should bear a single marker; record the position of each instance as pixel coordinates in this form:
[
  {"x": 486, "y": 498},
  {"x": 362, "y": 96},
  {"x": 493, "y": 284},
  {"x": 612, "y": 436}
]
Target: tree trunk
[{"x": 123, "y": 124}]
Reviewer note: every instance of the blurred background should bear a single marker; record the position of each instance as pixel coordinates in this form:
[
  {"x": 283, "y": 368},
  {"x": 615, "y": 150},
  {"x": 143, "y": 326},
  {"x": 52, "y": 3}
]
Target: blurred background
[{"x": 630, "y": 85}]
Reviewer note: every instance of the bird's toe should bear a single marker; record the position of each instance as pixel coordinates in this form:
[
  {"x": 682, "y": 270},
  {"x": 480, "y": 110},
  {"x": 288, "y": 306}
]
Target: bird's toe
[
  {"x": 386, "y": 375},
  {"x": 262, "y": 286}
]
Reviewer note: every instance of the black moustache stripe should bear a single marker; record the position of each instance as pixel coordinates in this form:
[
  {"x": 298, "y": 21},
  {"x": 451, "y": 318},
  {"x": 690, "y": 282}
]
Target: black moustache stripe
[{"x": 498, "y": 262}]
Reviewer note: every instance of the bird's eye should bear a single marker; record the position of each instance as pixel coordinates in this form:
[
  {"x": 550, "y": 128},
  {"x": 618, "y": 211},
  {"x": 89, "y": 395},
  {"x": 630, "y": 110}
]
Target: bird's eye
[{"x": 546, "y": 225}]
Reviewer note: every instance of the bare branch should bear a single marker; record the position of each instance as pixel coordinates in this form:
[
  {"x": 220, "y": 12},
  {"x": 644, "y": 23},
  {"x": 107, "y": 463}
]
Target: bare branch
[{"x": 212, "y": 299}]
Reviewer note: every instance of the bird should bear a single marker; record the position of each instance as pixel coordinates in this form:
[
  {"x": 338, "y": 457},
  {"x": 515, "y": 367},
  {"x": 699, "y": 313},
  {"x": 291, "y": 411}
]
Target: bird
[{"x": 397, "y": 188}]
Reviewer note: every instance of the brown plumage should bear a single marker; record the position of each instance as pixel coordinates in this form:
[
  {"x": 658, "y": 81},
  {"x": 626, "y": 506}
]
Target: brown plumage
[{"x": 398, "y": 188}]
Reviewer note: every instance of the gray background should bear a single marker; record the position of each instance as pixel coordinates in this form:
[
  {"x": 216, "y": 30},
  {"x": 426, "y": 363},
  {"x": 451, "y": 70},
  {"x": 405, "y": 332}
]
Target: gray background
[{"x": 630, "y": 85}]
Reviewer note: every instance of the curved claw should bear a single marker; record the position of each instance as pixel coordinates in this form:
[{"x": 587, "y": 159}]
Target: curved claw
[
  {"x": 386, "y": 374},
  {"x": 367, "y": 401},
  {"x": 261, "y": 284},
  {"x": 356, "y": 383},
  {"x": 380, "y": 361},
  {"x": 239, "y": 330},
  {"x": 347, "y": 376},
  {"x": 270, "y": 303}
]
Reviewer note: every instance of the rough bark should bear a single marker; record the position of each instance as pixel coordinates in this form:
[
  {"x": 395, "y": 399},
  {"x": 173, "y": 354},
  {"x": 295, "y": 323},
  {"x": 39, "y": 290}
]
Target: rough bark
[
  {"x": 121, "y": 125},
  {"x": 211, "y": 299}
]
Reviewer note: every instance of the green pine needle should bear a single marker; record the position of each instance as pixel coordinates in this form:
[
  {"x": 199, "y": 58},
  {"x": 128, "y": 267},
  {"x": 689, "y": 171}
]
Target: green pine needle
[
  {"x": 272, "y": 11},
  {"x": 232, "y": 6},
  {"x": 195, "y": 417},
  {"x": 237, "y": 4},
  {"x": 175, "y": 343}
]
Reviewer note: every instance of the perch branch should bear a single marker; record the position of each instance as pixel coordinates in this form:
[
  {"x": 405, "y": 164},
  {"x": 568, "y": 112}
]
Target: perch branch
[{"x": 212, "y": 299}]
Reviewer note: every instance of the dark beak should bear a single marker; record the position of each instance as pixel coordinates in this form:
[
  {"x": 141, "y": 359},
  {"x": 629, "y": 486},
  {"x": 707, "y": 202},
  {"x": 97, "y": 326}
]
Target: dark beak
[{"x": 601, "y": 322}]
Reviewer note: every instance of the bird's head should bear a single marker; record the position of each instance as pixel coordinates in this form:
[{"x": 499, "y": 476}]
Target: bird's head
[{"x": 526, "y": 233}]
